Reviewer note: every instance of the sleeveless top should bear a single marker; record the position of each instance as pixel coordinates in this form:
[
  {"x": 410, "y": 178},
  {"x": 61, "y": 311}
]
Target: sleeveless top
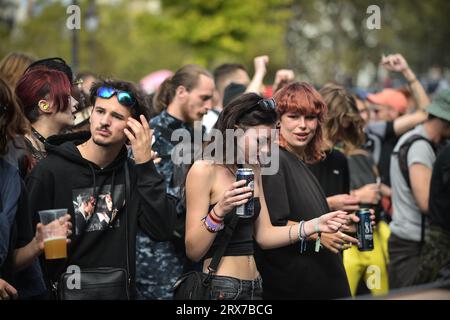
[{"x": 241, "y": 242}]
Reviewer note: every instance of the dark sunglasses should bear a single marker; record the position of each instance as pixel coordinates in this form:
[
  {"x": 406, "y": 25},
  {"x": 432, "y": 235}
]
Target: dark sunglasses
[
  {"x": 268, "y": 103},
  {"x": 124, "y": 98}
]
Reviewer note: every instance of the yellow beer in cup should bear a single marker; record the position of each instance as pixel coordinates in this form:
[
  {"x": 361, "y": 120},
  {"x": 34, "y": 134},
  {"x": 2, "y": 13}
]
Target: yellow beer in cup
[
  {"x": 55, "y": 248},
  {"x": 55, "y": 237}
]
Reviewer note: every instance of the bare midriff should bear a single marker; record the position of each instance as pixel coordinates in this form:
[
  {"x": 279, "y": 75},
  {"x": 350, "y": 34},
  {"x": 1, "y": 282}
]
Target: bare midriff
[{"x": 241, "y": 267}]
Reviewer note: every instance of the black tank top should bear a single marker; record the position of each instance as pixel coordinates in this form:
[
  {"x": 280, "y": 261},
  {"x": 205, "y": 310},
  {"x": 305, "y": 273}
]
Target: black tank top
[{"x": 241, "y": 242}]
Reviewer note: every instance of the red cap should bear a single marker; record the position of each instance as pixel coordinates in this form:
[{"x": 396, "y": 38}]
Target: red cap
[{"x": 389, "y": 97}]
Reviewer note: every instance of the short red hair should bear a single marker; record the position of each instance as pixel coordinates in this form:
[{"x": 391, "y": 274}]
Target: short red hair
[
  {"x": 301, "y": 97},
  {"x": 42, "y": 83}
]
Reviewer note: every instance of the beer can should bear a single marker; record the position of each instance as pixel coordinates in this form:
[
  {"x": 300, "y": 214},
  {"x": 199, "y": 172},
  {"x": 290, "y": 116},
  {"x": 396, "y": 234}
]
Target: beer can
[
  {"x": 247, "y": 209},
  {"x": 364, "y": 230}
]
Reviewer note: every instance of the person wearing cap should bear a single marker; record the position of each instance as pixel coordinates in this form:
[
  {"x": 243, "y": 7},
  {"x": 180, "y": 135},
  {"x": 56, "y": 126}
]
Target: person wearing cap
[
  {"x": 411, "y": 201},
  {"x": 388, "y": 104}
]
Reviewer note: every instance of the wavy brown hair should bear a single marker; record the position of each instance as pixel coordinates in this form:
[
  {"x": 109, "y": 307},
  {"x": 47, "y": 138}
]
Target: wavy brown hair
[
  {"x": 342, "y": 108},
  {"x": 13, "y": 66},
  {"x": 301, "y": 97},
  {"x": 12, "y": 120}
]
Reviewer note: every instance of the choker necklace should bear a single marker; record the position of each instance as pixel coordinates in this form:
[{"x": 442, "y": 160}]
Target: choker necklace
[{"x": 39, "y": 136}]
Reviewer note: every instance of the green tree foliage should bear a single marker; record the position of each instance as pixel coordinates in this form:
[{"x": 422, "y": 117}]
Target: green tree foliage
[
  {"x": 321, "y": 39},
  {"x": 131, "y": 41},
  {"x": 327, "y": 39}
]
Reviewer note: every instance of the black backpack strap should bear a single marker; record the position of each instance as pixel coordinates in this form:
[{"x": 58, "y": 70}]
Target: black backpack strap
[
  {"x": 402, "y": 155},
  {"x": 229, "y": 229}
]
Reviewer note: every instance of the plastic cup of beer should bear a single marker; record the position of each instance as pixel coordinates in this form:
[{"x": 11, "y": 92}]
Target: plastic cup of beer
[{"x": 55, "y": 237}]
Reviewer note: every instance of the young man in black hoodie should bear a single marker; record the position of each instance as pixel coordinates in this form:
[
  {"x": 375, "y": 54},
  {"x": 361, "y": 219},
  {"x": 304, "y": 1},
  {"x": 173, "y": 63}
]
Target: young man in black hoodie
[{"x": 89, "y": 178}]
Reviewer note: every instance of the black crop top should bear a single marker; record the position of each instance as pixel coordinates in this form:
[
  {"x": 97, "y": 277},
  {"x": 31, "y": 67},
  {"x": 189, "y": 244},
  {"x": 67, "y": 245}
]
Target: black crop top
[{"x": 241, "y": 242}]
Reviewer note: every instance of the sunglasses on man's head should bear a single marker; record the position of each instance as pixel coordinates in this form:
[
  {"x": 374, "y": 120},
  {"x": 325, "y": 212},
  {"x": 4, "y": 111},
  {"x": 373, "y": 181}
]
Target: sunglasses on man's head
[{"x": 124, "y": 98}]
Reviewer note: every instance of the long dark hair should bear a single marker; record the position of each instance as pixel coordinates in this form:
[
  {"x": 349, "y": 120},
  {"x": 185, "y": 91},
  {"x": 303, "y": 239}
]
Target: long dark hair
[{"x": 243, "y": 112}]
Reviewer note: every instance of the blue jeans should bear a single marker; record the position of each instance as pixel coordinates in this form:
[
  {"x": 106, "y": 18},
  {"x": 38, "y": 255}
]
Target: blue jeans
[{"x": 229, "y": 288}]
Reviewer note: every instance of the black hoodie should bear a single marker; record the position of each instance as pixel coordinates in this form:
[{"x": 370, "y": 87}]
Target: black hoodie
[{"x": 96, "y": 200}]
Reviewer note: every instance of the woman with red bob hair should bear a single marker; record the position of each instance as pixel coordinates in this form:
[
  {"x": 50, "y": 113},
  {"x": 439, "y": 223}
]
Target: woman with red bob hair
[
  {"x": 45, "y": 98},
  {"x": 294, "y": 194}
]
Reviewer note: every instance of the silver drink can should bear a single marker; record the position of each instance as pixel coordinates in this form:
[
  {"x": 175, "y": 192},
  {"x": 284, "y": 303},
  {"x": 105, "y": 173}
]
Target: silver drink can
[{"x": 246, "y": 210}]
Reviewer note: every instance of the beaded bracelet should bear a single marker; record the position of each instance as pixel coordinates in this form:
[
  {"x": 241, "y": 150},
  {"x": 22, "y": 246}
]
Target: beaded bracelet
[
  {"x": 215, "y": 226},
  {"x": 211, "y": 226}
]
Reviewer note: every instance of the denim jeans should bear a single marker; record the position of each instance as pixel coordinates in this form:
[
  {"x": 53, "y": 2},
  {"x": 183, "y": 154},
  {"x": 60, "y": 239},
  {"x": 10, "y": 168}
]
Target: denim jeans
[{"x": 229, "y": 288}]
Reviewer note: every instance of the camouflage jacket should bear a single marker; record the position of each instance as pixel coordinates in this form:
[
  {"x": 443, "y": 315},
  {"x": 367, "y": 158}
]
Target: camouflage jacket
[{"x": 164, "y": 126}]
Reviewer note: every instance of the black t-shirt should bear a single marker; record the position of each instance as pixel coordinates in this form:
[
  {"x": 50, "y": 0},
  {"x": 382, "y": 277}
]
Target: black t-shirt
[
  {"x": 439, "y": 205},
  {"x": 384, "y": 131},
  {"x": 362, "y": 170},
  {"x": 332, "y": 173},
  {"x": 295, "y": 194},
  {"x": 387, "y": 147}
]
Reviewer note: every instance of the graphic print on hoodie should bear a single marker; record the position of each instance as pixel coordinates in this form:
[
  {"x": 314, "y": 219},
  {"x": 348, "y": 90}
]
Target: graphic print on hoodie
[{"x": 96, "y": 211}]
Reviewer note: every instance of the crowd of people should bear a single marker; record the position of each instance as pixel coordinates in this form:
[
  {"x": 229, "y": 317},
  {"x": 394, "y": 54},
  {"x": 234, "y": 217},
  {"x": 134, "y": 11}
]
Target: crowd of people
[{"x": 103, "y": 149}]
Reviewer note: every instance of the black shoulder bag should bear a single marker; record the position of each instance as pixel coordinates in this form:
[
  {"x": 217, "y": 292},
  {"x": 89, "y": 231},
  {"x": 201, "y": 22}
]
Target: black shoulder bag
[
  {"x": 104, "y": 283},
  {"x": 196, "y": 285}
]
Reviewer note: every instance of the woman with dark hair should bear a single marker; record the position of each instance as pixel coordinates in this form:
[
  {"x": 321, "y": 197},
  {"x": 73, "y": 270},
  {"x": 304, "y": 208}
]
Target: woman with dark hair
[
  {"x": 344, "y": 130},
  {"x": 180, "y": 101},
  {"x": 44, "y": 95},
  {"x": 294, "y": 194},
  {"x": 19, "y": 247},
  {"x": 212, "y": 195}
]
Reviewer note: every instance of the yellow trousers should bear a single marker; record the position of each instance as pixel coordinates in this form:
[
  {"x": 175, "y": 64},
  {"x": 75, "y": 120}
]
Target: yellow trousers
[{"x": 370, "y": 265}]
